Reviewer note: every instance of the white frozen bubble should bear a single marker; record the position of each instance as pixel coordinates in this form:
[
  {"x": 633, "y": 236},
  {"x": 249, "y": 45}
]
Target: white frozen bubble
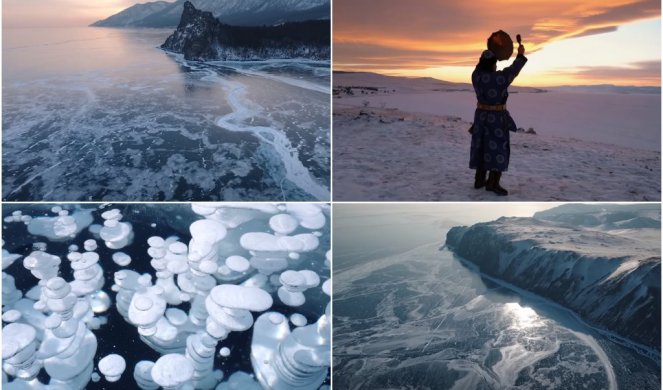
[
  {"x": 208, "y": 267},
  {"x": 310, "y": 216},
  {"x": 311, "y": 277},
  {"x": 240, "y": 297},
  {"x": 283, "y": 223},
  {"x": 298, "y": 319},
  {"x": 156, "y": 241},
  {"x": 275, "y": 318},
  {"x": 93, "y": 324},
  {"x": 178, "y": 248},
  {"x": 111, "y": 214},
  {"x": 240, "y": 381},
  {"x": 56, "y": 209},
  {"x": 122, "y": 259},
  {"x": 293, "y": 279},
  {"x": 327, "y": 287},
  {"x": 238, "y": 263},
  {"x": 112, "y": 366},
  {"x": 172, "y": 370},
  {"x": 90, "y": 245},
  {"x": 185, "y": 271},
  {"x": 176, "y": 316},
  {"x": 100, "y": 302},
  {"x": 11, "y": 316}
]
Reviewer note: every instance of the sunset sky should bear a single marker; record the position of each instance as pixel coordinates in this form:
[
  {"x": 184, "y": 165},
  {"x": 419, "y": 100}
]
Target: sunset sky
[
  {"x": 568, "y": 41},
  {"x": 59, "y": 13}
]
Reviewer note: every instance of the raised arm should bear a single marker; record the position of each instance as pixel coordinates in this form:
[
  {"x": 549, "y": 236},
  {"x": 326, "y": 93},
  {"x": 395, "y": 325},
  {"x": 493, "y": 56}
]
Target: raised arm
[{"x": 514, "y": 69}]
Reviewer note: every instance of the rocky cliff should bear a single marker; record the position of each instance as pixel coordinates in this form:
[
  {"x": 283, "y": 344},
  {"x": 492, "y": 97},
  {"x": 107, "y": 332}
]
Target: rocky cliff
[
  {"x": 200, "y": 36},
  {"x": 610, "y": 278}
]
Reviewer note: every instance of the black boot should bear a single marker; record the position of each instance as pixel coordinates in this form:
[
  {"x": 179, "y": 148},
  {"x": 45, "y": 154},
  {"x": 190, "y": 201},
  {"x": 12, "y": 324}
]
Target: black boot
[
  {"x": 493, "y": 183},
  {"x": 480, "y": 178}
]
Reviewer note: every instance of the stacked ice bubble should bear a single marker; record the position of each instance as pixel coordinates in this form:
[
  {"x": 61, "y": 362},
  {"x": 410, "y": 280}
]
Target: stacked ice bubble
[{"x": 239, "y": 261}]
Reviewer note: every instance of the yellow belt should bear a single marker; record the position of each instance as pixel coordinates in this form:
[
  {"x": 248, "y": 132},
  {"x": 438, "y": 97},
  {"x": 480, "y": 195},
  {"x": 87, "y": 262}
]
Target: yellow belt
[{"x": 491, "y": 107}]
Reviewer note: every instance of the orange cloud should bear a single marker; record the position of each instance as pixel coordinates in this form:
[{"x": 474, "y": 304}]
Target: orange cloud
[{"x": 425, "y": 33}]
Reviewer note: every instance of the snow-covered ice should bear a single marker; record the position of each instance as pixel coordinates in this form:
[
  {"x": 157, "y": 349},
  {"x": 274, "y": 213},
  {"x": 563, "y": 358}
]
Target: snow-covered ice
[{"x": 407, "y": 140}]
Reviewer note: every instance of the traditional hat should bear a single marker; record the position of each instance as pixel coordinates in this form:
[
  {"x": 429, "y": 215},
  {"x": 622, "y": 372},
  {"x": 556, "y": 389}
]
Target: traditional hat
[{"x": 501, "y": 44}]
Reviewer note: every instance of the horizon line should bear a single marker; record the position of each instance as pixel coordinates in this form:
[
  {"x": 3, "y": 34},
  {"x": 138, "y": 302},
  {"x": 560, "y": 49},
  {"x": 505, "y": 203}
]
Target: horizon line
[{"x": 517, "y": 85}]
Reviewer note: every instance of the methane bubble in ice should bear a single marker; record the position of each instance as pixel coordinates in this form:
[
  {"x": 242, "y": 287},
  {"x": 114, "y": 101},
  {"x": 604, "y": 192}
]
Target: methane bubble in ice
[
  {"x": 112, "y": 367},
  {"x": 219, "y": 292}
]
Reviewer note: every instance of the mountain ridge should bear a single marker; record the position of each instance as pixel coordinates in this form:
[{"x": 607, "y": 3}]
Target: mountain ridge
[{"x": 162, "y": 14}]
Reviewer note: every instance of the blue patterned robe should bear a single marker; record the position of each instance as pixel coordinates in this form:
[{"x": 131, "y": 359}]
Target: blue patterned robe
[{"x": 490, "y": 135}]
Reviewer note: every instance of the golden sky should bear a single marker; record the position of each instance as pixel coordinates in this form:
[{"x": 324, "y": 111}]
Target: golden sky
[
  {"x": 568, "y": 41},
  {"x": 59, "y": 13}
]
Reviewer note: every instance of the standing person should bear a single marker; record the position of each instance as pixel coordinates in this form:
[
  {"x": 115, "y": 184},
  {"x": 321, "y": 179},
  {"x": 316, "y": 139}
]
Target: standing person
[{"x": 490, "y": 132}]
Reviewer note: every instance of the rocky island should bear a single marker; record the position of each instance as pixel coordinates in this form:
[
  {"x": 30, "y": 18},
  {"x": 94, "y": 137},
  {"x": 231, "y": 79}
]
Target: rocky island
[{"x": 202, "y": 37}]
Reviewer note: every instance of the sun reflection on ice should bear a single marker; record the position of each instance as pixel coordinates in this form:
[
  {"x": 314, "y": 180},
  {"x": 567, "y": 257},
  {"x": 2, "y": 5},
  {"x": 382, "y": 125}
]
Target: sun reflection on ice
[{"x": 524, "y": 317}]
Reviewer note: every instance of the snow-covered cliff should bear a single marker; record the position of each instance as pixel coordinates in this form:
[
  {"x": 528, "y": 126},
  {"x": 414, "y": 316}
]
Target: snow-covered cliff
[
  {"x": 200, "y": 36},
  {"x": 235, "y": 12},
  {"x": 609, "y": 275}
]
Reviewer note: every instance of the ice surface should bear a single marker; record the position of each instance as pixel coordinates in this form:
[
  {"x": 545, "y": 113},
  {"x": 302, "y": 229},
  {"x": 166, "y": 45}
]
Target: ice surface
[
  {"x": 450, "y": 328},
  {"x": 146, "y": 127}
]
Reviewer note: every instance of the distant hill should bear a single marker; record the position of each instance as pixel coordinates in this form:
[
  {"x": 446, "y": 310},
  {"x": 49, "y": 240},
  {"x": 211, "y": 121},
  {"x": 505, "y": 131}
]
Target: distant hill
[
  {"x": 368, "y": 79},
  {"x": 161, "y": 14},
  {"x": 374, "y": 80},
  {"x": 607, "y": 88}
]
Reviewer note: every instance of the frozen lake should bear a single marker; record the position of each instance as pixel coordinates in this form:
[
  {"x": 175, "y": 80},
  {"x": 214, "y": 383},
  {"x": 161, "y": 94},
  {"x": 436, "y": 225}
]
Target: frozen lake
[
  {"x": 625, "y": 119},
  {"x": 418, "y": 318},
  {"x": 103, "y": 114}
]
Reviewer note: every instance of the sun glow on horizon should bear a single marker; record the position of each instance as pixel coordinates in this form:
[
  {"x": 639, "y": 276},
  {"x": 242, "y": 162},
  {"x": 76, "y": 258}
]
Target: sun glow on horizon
[
  {"x": 59, "y": 13},
  {"x": 616, "y": 42}
]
